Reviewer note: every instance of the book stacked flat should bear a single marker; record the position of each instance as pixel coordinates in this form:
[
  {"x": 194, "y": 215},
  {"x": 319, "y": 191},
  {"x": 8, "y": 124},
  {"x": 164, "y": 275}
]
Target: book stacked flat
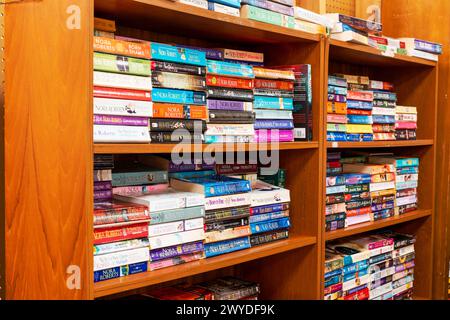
[
  {"x": 230, "y": 97},
  {"x": 422, "y": 49},
  {"x": 403, "y": 257},
  {"x": 274, "y": 97},
  {"x": 227, "y": 211},
  {"x": 311, "y": 22},
  {"x": 230, "y": 7},
  {"x": 406, "y": 181},
  {"x": 382, "y": 188},
  {"x": 383, "y": 112},
  {"x": 245, "y": 171},
  {"x": 406, "y": 123},
  {"x": 337, "y": 109},
  {"x": 122, "y": 85},
  {"x": 334, "y": 264},
  {"x": 269, "y": 214},
  {"x": 278, "y": 179},
  {"x": 179, "y": 94},
  {"x": 352, "y": 29},
  {"x": 277, "y": 12},
  {"x": 335, "y": 210},
  {"x": 103, "y": 165}
]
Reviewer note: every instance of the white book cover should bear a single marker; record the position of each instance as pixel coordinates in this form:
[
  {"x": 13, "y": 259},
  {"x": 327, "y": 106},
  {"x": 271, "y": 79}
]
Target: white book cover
[
  {"x": 126, "y": 134},
  {"x": 310, "y": 16},
  {"x": 351, "y": 221},
  {"x": 122, "y": 258},
  {"x": 380, "y": 290},
  {"x": 230, "y": 129},
  {"x": 265, "y": 194},
  {"x": 403, "y": 251},
  {"x": 230, "y": 201},
  {"x": 193, "y": 224},
  {"x": 122, "y": 81},
  {"x": 407, "y": 177},
  {"x": 166, "y": 200},
  {"x": 374, "y": 187},
  {"x": 406, "y": 117},
  {"x": 377, "y": 111},
  {"x": 382, "y": 274},
  {"x": 175, "y": 239},
  {"x": 118, "y": 107},
  {"x": 406, "y": 110},
  {"x": 217, "y": 7},
  {"x": 354, "y": 283},
  {"x": 165, "y": 228},
  {"x": 196, "y": 3},
  {"x": 402, "y": 274},
  {"x": 350, "y": 36},
  {"x": 120, "y": 246},
  {"x": 423, "y": 55},
  {"x": 406, "y": 200},
  {"x": 403, "y": 288},
  {"x": 273, "y": 114}
]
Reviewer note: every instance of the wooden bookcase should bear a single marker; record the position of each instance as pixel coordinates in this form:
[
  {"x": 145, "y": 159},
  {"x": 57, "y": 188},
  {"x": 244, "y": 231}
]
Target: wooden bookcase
[{"x": 49, "y": 148}]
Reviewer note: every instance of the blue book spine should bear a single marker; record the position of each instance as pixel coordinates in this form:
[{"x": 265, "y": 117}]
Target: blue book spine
[
  {"x": 336, "y": 181},
  {"x": 353, "y": 119},
  {"x": 334, "y": 273},
  {"x": 336, "y": 136},
  {"x": 263, "y": 102},
  {"x": 337, "y": 90},
  {"x": 191, "y": 174},
  {"x": 407, "y": 185},
  {"x": 359, "y": 105},
  {"x": 384, "y": 119},
  {"x": 178, "y": 96},
  {"x": 351, "y": 137},
  {"x": 165, "y": 52},
  {"x": 270, "y": 208},
  {"x": 226, "y": 188},
  {"x": 352, "y": 276},
  {"x": 333, "y": 280},
  {"x": 354, "y": 267},
  {"x": 274, "y": 124},
  {"x": 408, "y": 170},
  {"x": 383, "y": 95},
  {"x": 267, "y": 217},
  {"x": 352, "y": 179},
  {"x": 426, "y": 46},
  {"x": 231, "y": 3},
  {"x": 410, "y": 162},
  {"x": 229, "y": 69},
  {"x": 228, "y": 246},
  {"x": 383, "y": 206},
  {"x": 355, "y": 290},
  {"x": 335, "y": 190},
  {"x": 337, "y": 82},
  {"x": 213, "y": 54},
  {"x": 121, "y": 179},
  {"x": 380, "y": 215},
  {"x": 270, "y": 225},
  {"x": 117, "y": 272}
]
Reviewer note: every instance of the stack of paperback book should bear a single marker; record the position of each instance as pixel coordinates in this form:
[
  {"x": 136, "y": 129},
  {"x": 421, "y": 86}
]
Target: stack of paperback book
[
  {"x": 269, "y": 220},
  {"x": 231, "y": 7},
  {"x": 227, "y": 211},
  {"x": 422, "y": 49},
  {"x": 406, "y": 181},
  {"x": 311, "y": 22},
  {"x": 351, "y": 29},
  {"x": 122, "y": 85},
  {"x": 335, "y": 211},
  {"x": 405, "y": 123},
  {"x": 383, "y": 112},
  {"x": 337, "y": 109},
  {"x": 230, "y": 96},
  {"x": 278, "y": 179},
  {"x": 274, "y": 92},
  {"x": 179, "y": 85},
  {"x": 277, "y": 12},
  {"x": 103, "y": 165},
  {"x": 245, "y": 171}
]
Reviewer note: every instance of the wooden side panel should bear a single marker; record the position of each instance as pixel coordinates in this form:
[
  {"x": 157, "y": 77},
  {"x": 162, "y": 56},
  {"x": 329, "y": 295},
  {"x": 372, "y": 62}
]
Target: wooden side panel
[
  {"x": 2, "y": 157},
  {"x": 48, "y": 149},
  {"x": 405, "y": 18}
]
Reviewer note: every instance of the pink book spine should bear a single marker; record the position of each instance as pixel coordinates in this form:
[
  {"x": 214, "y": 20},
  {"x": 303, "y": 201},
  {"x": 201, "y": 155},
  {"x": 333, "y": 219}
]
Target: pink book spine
[
  {"x": 405, "y": 125},
  {"x": 139, "y": 190},
  {"x": 337, "y": 118},
  {"x": 274, "y": 135}
]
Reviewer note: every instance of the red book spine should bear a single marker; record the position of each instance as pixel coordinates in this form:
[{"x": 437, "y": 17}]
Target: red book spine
[
  {"x": 333, "y": 164},
  {"x": 356, "y": 112},
  {"x": 332, "y": 289},
  {"x": 229, "y": 82},
  {"x": 360, "y": 295},
  {"x": 360, "y": 95},
  {"x": 274, "y": 84},
  {"x": 120, "y": 216},
  {"x": 405, "y": 125},
  {"x": 126, "y": 94},
  {"x": 379, "y": 40},
  {"x": 359, "y": 212},
  {"x": 108, "y": 235}
]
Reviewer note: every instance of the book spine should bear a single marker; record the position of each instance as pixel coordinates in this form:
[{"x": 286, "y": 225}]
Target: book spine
[
  {"x": 229, "y": 69},
  {"x": 120, "y": 246},
  {"x": 122, "y": 81},
  {"x": 274, "y": 84},
  {"x": 260, "y": 239},
  {"x": 226, "y": 169},
  {"x": 139, "y": 190},
  {"x": 120, "y": 120},
  {"x": 228, "y": 234},
  {"x": 225, "y": 9},
  {"x": 157, "y": 265},
  {"x": 177, "y": 214},
  {"x": 122, "y": 271},
  {"x": 165, "y": 228},
  {"x": 274, "y": 93},
  {"x": 230, "y": 129},
  {"x": 164, "y": 52},
  {"x": 271, "y": 208},
  {"x": 223, "y": 247},
  {"x": 262, "y": 227},
  {"x": 262, "y": 102},
  {"x": 102, "y": 186},
  {"x": 176, "y": 137},
  {"x": 124, "y": 48},
  {"x": 162, "y": 125},
  {"x": 116, "y": 107},
  {"x": 108, "y": 235},
  {"x": 337, "y": 98},
  {"x": 268, "y": 217},
  {"x": 174, "y": 251},
  {"x": 236, "y": 200},
  {"x": 102, "y": 175},
  {"x": 179, "y": 111},
  {"x": 104, "y": 25},
  {"x": 121, "y": 179},
  {"x": 175, "y": 239},
  {"x": 263, "y": 136},
  {"x": 102, "y": 195},
  {"x": 427, "y": 46},
  {"x": 273, "y": 114},
  {"x": 267, "y": 16},
  {"x": 120, "y": 64},
  {"x": 105, "y": 217},
  {"x": 106, "y": 133},
  {"x": 359, "y": 119},
  {"x": 164, "y": 66},
  {"x": 178, "y": 96},
  {"x": 117, "y": 259},
  {"x": 239, "y": 55},
  {"x": 337, "y": 90},
  {"x": 178, "y": 81},
  {"x": 229, "y": 105},
  {"x": 229, "y": 82},
  {"x": 232, "y": 94},
  {"x": 196, "y": 3},
  {"x": 367, "y": 96},
  {"x": 125, "y": 94},
  {"x": 336, "y": 108}
]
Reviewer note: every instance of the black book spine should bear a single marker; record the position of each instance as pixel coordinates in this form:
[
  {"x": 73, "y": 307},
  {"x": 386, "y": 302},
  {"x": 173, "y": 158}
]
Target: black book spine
[
  {"x": 231, "y": 94},
  {"x": 170, "y": 137},
  {"x": 178, "y": 68},
  {"x": 162, "y": 125}
]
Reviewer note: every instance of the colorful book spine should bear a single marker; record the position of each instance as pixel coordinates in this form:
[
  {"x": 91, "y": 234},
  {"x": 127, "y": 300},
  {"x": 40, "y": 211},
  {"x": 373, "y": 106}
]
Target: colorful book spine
[
  {"x": 238, "y": 55},
  {"x": 229, "y": 82},
  {"x": 225, "y": 9},
  {"x": 229, "y": 69},
  {"x": 164, "y": 66},
  {"x": 171, "y": 262},
  {"x": 120, "y": 120},
  {"x": 219, "y": 248},
  {"x": 165, "y": 52},
  {"x": 229, "y": 105},
  {"x": 176, "y": 137},
  {"x": 274, "y": 124},
  {"x": 231, "y": 3},
  {"x": 118, "y": 107},
  {"x": 262, "y": 102},
  {"x": 162, "y": 125},
  {"x": 102, "y": 186},
  {"x": 231, "y": 94},
  {"x": 179, "y": 111},
  {"x": 176, "y": 214},
  {"x": 269, "y": 209},
  {"x": 178, "y": 96},
  {"x": 122, "y": 271},
  {"x": 268, "y": 217},
  {"x": 235, "y": 200},
  {"x": 107, "y": 134},
  {"x": 267, "y": 16},
  {"x": 192, "y": 174},
  {"x": 107, "y": 235},
  {"x": 122, "y": 81},
  {"x": 125, "y": 94},
  {"x": 261, "y": 227},
  {"x": 272, "y": 6},
  {"x": 171, "y": 252},
  {"x": 123, "y": 48},
  {"x": 178, "y": 81},
  {"x": 117, "y": 259},
  {"x": 120, "y": 64},
  {"x": 120, "y": 246},
  {"x": 227, "y": 234},
  {"x": 260, "y": 239},
  {"x": 263, "y": 136},
  {"x": 121, "y": 179}
]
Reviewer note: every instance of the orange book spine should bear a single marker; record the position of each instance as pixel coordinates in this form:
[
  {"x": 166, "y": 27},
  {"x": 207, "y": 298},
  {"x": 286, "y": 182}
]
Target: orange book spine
[
  {"x": 123, "y": 48},
  {"x": 229, "y": 82},
  {"x": 336, "y": 107},
  {"x": 179, "y": 111}
]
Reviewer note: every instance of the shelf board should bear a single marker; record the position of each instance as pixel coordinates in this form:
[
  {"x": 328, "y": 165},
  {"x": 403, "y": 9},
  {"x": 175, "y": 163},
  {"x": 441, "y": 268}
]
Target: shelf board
[
  {"x": 110, "y": 287},
  {"x": 184, "y": 20},
  {"x": 370, "y": 226},
  {"x": 380, "y": 144},
  {"x": 364, "y": 55},
  {"x": 219, "y": 147}
]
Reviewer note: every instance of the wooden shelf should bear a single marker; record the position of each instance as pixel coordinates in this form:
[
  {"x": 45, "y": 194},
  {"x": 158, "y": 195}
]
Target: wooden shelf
[
  {"x": 365, "y": 55},
  {"x": 370, "y": 226},
  {"x": 168, "y": 148},
  {"x": 184, "y": 20},
  {"x": 380, "y": 144},
  {"x": 110, "y": 287}
]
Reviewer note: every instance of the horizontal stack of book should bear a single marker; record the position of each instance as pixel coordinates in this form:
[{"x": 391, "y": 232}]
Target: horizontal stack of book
[
  {"x": 376, "y": 267},
  {"x": 245, "y": 171},
  {"x": 336, "y": 197},
  {"x": 406, "y": 123},
  {"x": 227, "y": 288},
  {"x": 276, "y": 12},
  {"x": 337, "y": 109}
]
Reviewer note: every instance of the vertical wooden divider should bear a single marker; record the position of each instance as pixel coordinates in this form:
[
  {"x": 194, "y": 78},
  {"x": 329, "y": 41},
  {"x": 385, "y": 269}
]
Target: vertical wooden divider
[{"x": 48, "y": 149}]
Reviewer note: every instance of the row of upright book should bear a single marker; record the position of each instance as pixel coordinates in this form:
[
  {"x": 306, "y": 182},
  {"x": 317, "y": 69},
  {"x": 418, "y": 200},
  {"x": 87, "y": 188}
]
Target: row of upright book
[
  {"x": 151, "y": 213},
  {"x": 375, "y": 267},
  {"x": 153, "y": 92},
  {"x": 361, "y": 109},
  {"x": 364, "y": 188}
]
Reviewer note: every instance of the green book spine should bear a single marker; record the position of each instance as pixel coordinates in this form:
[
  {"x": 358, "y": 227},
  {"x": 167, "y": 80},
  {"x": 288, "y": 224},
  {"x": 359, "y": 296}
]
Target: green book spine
[
  {"x": 119, "y": 64},
  {"x": 258, "y": 14},
  {"x": 177, "y": 215},
  {"x": 121, "y": 179}
]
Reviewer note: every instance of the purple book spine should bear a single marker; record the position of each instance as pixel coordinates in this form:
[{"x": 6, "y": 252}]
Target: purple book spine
[
  {"x": 211, "y": 54},
  {"x": 272, "y": 6},
  {"x": 171, "y": 252},
  {"x": 274, "y": 136},
  {"x": 225, "y": 105},
  {"x": 190, "y": 167},
  {"x": 120, "y": 121},
  {"x": 103, "y": 195},
  {"x": 102, "y": 186}
]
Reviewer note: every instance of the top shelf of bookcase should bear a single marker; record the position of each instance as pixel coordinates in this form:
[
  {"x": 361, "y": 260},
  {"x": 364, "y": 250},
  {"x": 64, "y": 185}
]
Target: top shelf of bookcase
[
  {"x": 363, "y": 55},
  {"x": 183, "y": 20}
]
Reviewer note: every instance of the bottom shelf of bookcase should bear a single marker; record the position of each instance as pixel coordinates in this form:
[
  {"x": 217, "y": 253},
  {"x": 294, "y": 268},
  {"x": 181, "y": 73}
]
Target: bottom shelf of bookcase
[
  {"x": 370, "y": 226},
  {"x": 110, "y": 287}
]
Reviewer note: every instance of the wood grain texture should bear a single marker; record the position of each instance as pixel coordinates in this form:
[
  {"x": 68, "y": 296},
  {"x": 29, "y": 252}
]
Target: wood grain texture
[
  {"x": 2, "y": 155},
  {"x": 405, "y": 18},
  {"x": 48, "y": 150}
]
